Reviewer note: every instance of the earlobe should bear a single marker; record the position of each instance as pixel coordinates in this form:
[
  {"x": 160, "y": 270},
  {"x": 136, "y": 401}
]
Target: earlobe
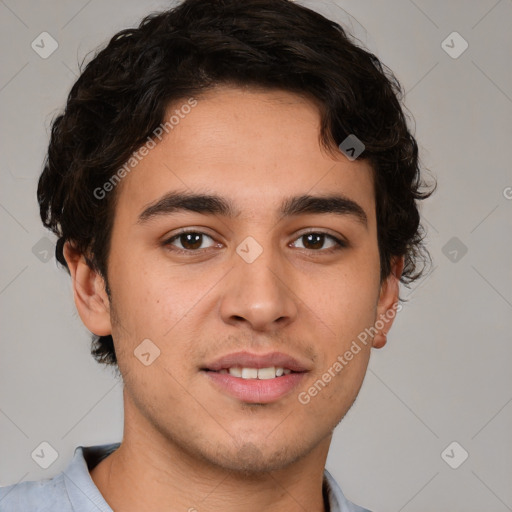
[
  {"x": 388, "y": 303},
  {"x": 89, "y": 291}
]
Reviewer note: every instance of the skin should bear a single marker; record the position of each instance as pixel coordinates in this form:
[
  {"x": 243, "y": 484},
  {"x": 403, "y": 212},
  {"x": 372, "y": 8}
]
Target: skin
[{"x": 187, "y": 445}]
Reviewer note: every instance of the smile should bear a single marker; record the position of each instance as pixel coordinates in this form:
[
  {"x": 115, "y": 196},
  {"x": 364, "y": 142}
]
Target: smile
[{"x": 270, "y": 372}]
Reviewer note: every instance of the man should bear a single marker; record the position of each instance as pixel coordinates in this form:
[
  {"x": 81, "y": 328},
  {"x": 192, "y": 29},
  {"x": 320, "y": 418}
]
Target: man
[{"x": 234, "y": 190}]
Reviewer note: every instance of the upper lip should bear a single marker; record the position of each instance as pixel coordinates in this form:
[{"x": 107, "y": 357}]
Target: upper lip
[{"x": 249, "y": 360}]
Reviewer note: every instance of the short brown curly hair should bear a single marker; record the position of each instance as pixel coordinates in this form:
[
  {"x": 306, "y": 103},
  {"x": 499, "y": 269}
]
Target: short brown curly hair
[{"x": 122, "y": 94}]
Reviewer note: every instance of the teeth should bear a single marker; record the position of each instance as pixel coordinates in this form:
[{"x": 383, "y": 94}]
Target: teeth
[
  {"x": 235, "y": 371},
  {"x": 256, "y": 373},
  {"x": 267, "y": 373},
  {"x": 249, "y": 373}
]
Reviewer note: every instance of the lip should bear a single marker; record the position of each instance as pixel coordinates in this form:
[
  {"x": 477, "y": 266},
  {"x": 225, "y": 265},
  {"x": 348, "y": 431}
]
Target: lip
[
  {"x": 255, "y": 391},
  {"x": 249, "y": 360}
]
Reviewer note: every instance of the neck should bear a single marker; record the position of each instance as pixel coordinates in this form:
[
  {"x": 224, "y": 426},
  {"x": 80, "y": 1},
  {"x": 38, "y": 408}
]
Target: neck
[{"x": 150, "y": 472}]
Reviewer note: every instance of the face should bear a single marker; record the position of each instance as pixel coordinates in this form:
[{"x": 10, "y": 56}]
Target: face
[{"x": 249, "y": 269}]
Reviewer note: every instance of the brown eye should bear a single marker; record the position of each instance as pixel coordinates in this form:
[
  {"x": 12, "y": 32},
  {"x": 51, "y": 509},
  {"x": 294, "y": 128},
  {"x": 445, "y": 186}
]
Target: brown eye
[
  {"x": 188, "y": 241},
  {"x": 315, "y": 241}
]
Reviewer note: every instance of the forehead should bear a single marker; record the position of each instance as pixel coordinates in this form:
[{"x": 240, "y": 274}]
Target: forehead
[{"x": 254, "y": 147}]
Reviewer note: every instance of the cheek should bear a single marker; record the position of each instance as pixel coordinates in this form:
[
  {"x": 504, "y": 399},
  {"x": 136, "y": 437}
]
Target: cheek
[
  {"x": 347, "y": 307},
  {"x": 142, "y": 289},
  {"x": 157, "y": 301},
  {"x": 349, "y": 296}
]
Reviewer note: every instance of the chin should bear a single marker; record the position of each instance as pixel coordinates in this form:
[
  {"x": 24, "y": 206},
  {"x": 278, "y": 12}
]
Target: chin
[{"x": 250, "y": 459}]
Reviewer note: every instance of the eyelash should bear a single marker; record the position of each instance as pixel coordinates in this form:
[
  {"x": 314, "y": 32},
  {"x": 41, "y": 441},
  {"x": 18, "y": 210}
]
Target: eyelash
[{"x": 340, "y": 244}]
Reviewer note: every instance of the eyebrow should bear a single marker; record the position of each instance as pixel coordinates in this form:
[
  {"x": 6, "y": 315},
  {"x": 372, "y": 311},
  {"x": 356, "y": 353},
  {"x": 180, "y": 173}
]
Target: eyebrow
[{"x": 211, "y": 204}]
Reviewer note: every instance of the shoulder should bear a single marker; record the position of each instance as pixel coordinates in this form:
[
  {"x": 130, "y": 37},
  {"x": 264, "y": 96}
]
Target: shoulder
[
  {"x": 71, "y": 490},
  {"x": 45, "y": 495}
]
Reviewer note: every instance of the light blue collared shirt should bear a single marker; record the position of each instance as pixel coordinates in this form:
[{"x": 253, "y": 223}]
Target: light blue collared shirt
[{"x": 73, "y": 490}]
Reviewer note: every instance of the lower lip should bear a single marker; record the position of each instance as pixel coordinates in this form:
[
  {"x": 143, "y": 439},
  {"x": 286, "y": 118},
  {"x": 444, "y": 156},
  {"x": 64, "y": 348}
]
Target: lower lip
[{"x": 256, "y": 391}]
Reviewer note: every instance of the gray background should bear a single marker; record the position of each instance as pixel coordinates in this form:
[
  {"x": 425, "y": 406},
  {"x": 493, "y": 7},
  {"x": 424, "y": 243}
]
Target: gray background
[{"x": 444, "y": 375}]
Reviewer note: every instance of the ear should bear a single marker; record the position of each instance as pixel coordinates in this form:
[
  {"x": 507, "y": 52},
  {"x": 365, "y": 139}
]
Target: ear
[
  {"x": 388, "y": 302},
  {"x": 89, "y": 292}
]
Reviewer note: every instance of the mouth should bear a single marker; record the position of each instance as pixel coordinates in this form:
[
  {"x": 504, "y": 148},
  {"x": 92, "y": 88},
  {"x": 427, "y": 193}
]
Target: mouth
[
  {"x": 270, "y": 372},
  {"x": 248, "y": 362},
  {"x": 254, "y": 378}
]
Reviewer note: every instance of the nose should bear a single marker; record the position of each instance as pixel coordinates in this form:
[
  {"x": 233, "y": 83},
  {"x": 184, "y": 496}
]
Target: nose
[{"x": 259, "y": 294}]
